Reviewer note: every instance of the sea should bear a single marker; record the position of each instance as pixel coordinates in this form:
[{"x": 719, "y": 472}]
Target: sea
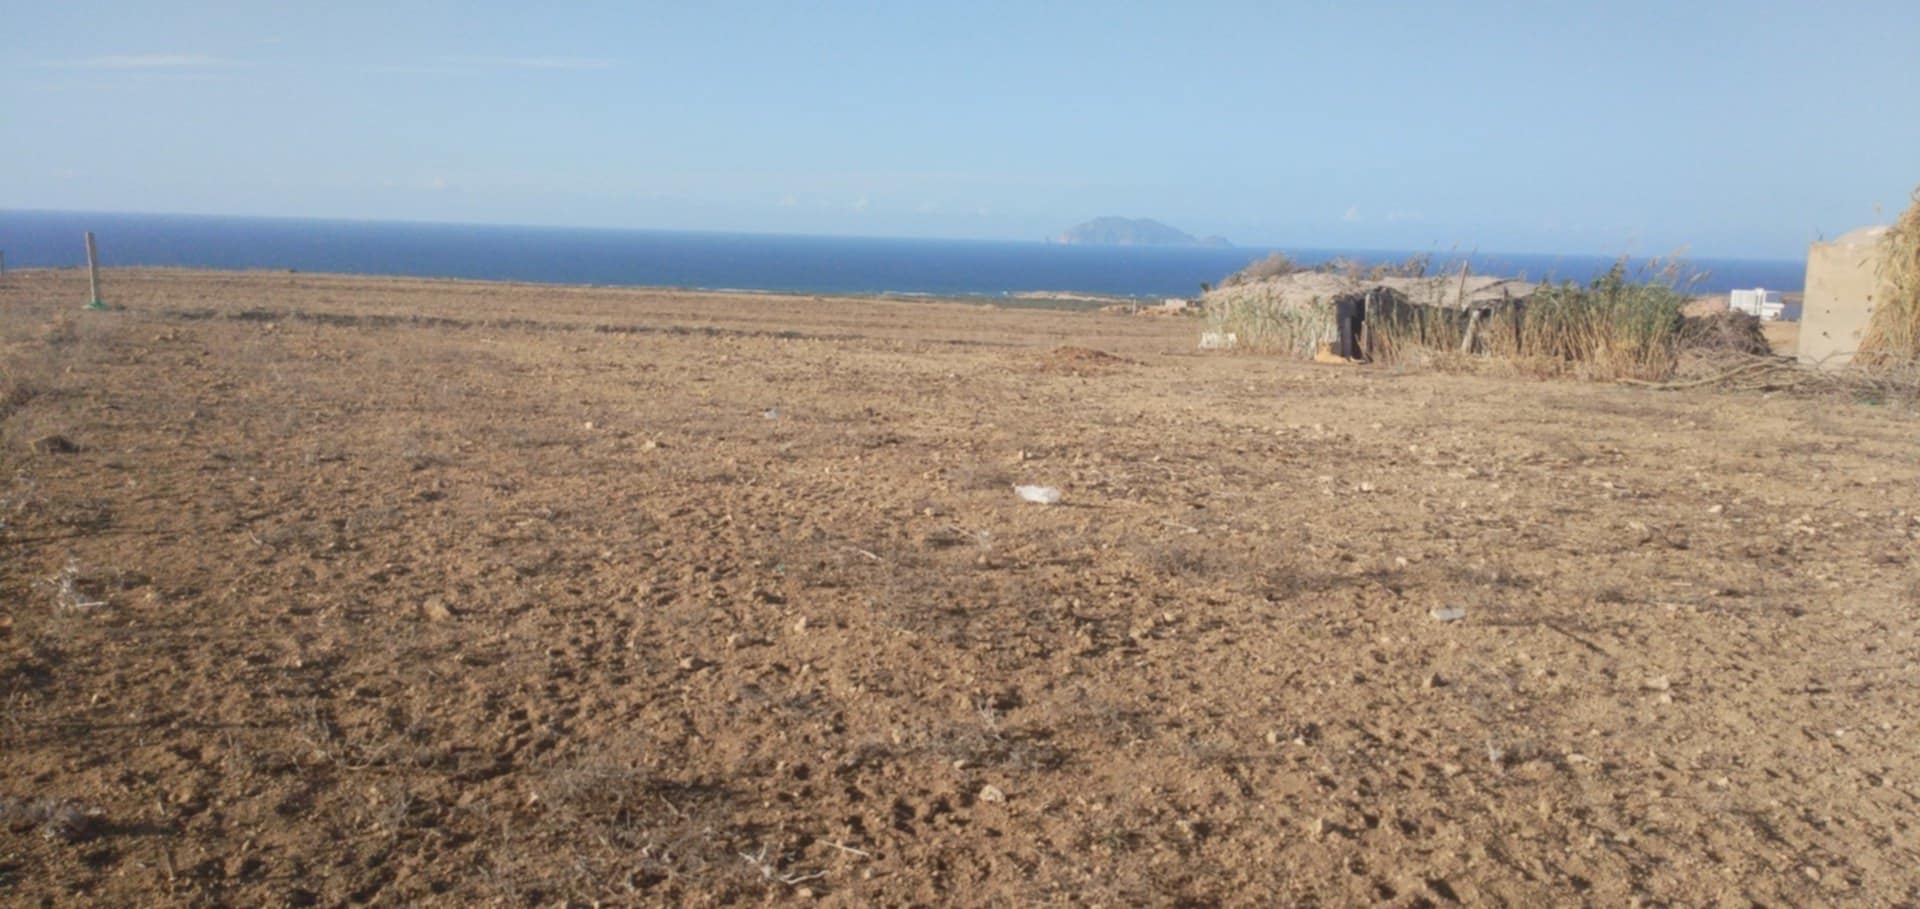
[{"x": 734, "y": 261}]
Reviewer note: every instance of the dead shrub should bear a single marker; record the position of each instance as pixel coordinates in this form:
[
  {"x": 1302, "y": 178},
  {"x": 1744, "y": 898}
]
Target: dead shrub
[
  {"x": 1892, "y": 337},
  {"x": 1725, "y": 333}
]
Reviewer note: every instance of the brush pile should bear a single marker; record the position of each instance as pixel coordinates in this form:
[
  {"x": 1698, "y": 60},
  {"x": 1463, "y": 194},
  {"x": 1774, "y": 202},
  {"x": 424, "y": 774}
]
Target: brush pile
[{"x": 1725, "y": 332}]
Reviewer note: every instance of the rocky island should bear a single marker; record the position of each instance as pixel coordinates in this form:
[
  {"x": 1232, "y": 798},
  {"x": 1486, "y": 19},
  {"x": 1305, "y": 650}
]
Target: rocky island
[{"x": 1115, "y": 231}]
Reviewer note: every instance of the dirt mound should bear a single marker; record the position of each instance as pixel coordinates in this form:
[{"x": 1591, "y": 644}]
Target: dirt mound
[
  {"x": 1068, "y": 360},
  {"x": 1725, "y": 332}
]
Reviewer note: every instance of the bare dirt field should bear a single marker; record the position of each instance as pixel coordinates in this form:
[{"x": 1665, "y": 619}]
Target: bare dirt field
[{"x": 333, "y": 591}]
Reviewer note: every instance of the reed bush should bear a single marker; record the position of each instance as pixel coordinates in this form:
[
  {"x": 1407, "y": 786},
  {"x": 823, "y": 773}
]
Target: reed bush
[
  {"x": 1613, "y": 329},
  {"x": 1616, "y": 327},
  {"x": 1264, "y": 323},
  {"x": 1892, "y": 337},
  {"x": 1400, "y": 333}
]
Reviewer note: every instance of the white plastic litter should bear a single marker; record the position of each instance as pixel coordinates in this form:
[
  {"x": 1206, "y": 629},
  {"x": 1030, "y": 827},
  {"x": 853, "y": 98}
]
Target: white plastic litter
[
  {"x": 1218, "y": 340},
  {"x": 1448, "y": 613},
  {"x": 1038, "y": 495}
]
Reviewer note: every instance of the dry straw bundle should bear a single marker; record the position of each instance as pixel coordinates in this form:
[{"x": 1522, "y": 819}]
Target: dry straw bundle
[{"x": 1893, "y": 336}]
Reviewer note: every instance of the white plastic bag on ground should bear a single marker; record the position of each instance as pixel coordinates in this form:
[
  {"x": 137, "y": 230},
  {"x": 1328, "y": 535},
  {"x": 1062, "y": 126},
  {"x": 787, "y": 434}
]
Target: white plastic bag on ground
[{"x": 1038, "y": 495}]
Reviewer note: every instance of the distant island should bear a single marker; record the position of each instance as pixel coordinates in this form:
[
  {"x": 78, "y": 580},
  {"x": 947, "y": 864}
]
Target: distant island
[{"x": 1112, "y": 231}]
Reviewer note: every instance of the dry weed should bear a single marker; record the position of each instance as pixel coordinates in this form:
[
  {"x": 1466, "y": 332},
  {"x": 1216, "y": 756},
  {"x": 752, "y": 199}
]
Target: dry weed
[
  {"x": 55, "y": 818},
  {"x": 1893, "y": 336}
]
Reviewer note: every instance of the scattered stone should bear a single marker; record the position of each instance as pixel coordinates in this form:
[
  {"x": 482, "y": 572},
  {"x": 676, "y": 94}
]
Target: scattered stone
[
  {"x": 800, "y": 625},
  {"x": 992, "y": 795},
  {"x": 1434, "y": 681},
  {"x": 1657, "y": 683},
  {"x": 435, "y": 609},
  {"x": 1448, "y": 613}
]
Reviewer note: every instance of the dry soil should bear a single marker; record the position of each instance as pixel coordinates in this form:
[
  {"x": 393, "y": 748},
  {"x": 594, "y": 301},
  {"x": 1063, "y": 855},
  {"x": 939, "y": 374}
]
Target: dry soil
[{"x": 337, "y": 591}]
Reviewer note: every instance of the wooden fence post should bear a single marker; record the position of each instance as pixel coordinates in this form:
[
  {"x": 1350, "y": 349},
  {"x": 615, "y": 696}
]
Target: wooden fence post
[{"x": 93, "y": 274}]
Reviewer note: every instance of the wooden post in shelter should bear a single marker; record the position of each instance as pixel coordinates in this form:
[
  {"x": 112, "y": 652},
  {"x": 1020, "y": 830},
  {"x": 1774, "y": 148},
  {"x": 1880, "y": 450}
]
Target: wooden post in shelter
[
  {"x": 93, "y": 274},
  {"x": 1473, "y": 317}
]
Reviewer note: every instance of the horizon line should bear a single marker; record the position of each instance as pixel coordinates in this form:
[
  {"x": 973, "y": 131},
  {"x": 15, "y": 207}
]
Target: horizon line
[{"x": 1456, "y": 253}]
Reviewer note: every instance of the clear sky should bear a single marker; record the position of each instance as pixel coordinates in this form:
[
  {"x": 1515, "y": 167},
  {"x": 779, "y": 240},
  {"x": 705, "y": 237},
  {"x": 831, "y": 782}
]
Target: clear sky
[{"x": 1730, "y": 128}]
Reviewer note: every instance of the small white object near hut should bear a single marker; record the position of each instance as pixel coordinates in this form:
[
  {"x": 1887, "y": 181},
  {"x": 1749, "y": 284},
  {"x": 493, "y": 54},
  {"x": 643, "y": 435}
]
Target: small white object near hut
[
  {"x": 1218, "y": 340},
  {"x": 1761, "y": 302}
]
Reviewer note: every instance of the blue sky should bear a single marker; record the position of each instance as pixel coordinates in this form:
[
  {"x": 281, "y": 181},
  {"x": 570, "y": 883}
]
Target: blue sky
[{"x": 1733, "y": 129}]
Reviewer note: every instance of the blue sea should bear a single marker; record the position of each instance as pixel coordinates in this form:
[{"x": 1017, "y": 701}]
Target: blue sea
[{"x": 735, "y": 261}]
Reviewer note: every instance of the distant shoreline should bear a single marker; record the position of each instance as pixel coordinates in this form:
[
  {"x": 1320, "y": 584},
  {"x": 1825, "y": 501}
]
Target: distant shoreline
[
  {"x": 747, "y": 262},
  {"x": 1065, "y": 301}
]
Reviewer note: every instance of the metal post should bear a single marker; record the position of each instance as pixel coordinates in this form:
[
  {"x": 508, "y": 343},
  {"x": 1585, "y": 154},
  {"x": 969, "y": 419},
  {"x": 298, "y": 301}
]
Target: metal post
[{"x": 93, "y": 273}]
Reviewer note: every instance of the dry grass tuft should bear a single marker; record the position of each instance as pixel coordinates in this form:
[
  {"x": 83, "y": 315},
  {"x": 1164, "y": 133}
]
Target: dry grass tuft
[
  {"x": 16, "y": 389},
  {"x": 1275, "y": 265}
]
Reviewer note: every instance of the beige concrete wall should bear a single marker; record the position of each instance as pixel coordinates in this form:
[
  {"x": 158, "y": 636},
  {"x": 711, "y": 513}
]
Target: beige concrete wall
[{"x": 1843, "y": 286}]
